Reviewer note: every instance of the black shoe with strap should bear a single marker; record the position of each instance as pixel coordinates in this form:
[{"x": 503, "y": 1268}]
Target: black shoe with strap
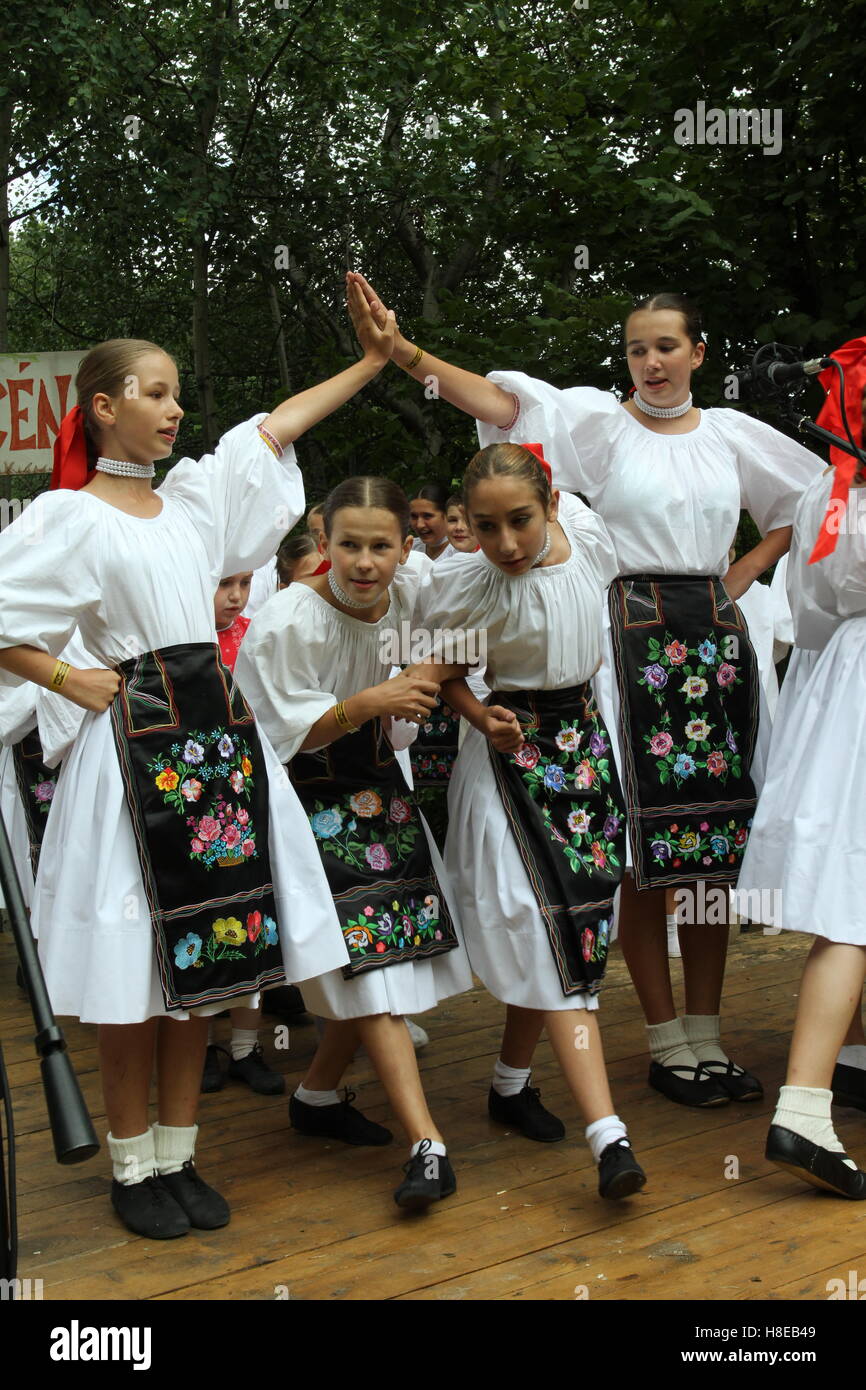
[
  {"x": 693, "y": 1086},
  {"x": 340, "y": 1121},
  {"x": 619, "y": 1173},
  {"x": 206, "y": 1209},
  {"x": 148, "y": 1209},
  {"x": 820, "y": 1167},
  {"x": 739, "y": 1084},
  {"x": 254, "y": 1071},
  {"x": 213, "y": 1077},
  {"x": 526, "y": 1113},
  {"x": 429, "y": 1178}
]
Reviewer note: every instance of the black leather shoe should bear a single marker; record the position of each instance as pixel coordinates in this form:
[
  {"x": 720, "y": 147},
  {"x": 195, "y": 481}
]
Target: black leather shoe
[
  {"x": 340, "y": 1121},
  {"x": 526, "y": 1113},
  {"x": 429, "y": 1178},
  {"x": 813, "y": 1164},
  {"x": 849, "y": 1086},
  {"x": 206, "y": 1209},
  {"x": 739, "y": 1084},
  {"x": 148, "y": 1209},
  {"x": 684, "y": 1085},
  {"x": 619, "y": 1173},
  {"x": 213, "y": 1076},
  {"x": 255, "y": 1072}
]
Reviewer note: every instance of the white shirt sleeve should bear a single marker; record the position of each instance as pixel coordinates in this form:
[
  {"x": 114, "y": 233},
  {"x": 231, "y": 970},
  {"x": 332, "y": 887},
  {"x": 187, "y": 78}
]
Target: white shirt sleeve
[
  {"x": 774, "y": 470},
  {"x": 575, "y": 428},
  {"x": 277, "y": 669},
  {"x": 48, "y": 574},
  {"x": 241, "y": 498}
]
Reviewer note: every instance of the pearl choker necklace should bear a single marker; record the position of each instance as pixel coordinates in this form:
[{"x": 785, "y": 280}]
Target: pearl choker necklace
[
  {"x": 662, "y": 412},
  {"x": 545, "y": 549},
  {"x": 342, "y": 597},
  {"x": 120, "y": 469}
]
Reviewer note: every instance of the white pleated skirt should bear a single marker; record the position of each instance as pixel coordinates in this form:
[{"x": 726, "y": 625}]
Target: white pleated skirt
[
  {"x": 407, "y": 987},
  {"x": 504, "y": 931},
  {"x": 90, "y": 910},
  {"x": 805, "y": 864}
]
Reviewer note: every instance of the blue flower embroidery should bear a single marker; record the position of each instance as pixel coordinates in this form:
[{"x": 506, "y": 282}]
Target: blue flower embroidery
[
  {"x": 271, "y": 935},
  {"x": 326, "y": 824},
  {"x": 684, "y": 765},
  {"x": 187, "y": 951},
  {"x": 554, "y": 778},
  {"x": 707, "y": 650}
]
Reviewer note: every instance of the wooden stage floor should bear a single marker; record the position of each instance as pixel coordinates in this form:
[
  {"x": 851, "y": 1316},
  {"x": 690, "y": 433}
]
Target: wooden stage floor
[{"x": 312, "y": 1219}]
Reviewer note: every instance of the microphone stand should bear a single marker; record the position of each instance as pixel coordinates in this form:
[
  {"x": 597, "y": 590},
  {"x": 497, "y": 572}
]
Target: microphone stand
[{"x": 73, "y": 1133}]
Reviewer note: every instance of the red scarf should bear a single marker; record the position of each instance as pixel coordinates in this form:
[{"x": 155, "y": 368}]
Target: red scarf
[{"x": 851, "y": 356}]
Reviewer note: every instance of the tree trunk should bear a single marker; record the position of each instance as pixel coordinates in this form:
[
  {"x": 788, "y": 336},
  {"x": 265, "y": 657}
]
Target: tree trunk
[
  {"x": 5, "y": 152},
  {"x": 200, "y": 344},
  {"x": 276, "y": 315}
]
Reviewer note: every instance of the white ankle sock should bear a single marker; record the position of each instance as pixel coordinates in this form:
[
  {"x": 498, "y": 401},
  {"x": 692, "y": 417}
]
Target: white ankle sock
[
  {"x": 806, "y": 1111},
  {"x": 435, "y": 1148},
  {"x": 509, "y": 1081},
  {"x": 703, "y": 1037},
  {"x": 603, "y": 1132},
  {"x": 242, "y": 1043},
  {"x": 132, "y": 1160},
  {"x": 853, "y": 1056},
  {"x": 668, "y": 1044},
  {"x": 174, "y": 1145},
  {"x": 316, "y": 1097}
]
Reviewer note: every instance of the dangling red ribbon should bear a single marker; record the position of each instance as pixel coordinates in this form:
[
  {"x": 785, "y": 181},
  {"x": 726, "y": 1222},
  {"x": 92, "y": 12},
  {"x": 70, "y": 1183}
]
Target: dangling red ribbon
[
  {"x": 70, "y": 452},
  {"x": 851, "y": 356},
  {"x": 536, "y": 450}
]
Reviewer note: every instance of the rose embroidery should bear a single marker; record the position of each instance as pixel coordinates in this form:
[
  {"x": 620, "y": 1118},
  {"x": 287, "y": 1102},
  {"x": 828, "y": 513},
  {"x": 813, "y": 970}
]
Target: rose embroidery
[{"x": 366, "y": 804}]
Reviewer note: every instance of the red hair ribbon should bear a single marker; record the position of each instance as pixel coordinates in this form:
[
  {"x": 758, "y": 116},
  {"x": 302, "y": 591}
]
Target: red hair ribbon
[
  {"x": 536, "y": 450},
  {"x": 70, "y": 452},
  {"x": 851, "y": 356}
]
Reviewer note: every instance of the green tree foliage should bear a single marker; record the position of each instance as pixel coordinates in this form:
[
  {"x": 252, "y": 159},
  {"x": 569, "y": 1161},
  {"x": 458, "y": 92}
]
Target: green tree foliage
[{"x": 507, "y": 175}]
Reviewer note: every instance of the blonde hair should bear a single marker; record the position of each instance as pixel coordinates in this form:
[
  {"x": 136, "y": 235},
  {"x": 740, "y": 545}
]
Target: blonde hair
[
  {"x": 105, "y": 371},
  {"x": 507, "y": 461}
]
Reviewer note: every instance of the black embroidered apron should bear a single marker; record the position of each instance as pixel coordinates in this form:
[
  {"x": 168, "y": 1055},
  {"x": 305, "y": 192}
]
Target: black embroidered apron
[
  {"x": 374, "y": 852},
  {"x": 562, "y": 796},
  {"x": 432, "y": 758},
  {"x": 688, "y": 688},
  {"x": 197, "y": 789},
  {"x": 36, "y": 787}
]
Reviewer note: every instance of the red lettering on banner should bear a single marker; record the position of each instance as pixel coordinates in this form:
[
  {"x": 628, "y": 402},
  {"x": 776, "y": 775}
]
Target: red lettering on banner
[
  {"x": 63, "y": 392},
  {"x": 17, "y": 415},
  {"x": 45, "y": 420}
]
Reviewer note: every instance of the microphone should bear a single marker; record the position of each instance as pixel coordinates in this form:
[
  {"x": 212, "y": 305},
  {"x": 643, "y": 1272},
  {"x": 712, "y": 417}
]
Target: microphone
[
  {"x": 770, "y": 372},
  {"x": 780, "y": 373}
]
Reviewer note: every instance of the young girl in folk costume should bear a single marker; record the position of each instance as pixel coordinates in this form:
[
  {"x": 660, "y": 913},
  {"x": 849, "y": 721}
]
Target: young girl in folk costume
[
  {"x": 167, "y": 882},
  {"x": 678, "y": 686},
  {"x": 536, "y": 841},
  {"x": 429, "y": 522},
  {"x": 459, "y": 531},
  {"x": 805, "y": 865},
  {"x": 315, "y": 666}
]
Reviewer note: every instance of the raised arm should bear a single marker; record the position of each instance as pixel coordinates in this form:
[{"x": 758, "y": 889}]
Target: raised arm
[
  {"x": 299, "y": 413},
  {"x": 478, "y": 397}
]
